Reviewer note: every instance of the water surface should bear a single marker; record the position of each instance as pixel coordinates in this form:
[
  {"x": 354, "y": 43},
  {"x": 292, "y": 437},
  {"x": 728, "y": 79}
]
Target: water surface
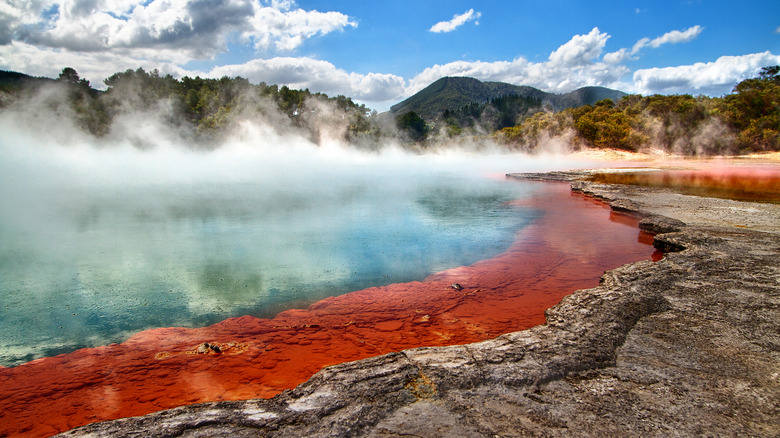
[{"x": 98, "y": 245}]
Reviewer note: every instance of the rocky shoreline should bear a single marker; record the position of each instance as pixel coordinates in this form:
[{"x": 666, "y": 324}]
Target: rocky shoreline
[{"x": 686, "y": 346}]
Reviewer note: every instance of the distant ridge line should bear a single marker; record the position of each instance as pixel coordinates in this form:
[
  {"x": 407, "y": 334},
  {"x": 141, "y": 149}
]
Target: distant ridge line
[{"x": 453, "y": 92}]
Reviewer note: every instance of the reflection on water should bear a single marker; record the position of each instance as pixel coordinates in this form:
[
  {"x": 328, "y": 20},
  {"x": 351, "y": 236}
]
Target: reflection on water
[
  {"x": 747, "y": 183},
  {"x": 84, "y": 266}
]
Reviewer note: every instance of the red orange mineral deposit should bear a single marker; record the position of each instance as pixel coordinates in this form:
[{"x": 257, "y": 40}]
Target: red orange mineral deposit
[
  {"x": 566, "y": 249},
  {"x": 745, "y": 183}
]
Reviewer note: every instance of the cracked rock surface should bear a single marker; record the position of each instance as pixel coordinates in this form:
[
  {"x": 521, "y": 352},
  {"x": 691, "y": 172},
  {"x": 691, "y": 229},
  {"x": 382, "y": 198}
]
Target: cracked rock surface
[{"x": 687, "y": 346}]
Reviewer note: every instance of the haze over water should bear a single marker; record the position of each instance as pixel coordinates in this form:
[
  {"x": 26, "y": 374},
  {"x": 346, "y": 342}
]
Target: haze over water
[{"x": 100, "y": 241}]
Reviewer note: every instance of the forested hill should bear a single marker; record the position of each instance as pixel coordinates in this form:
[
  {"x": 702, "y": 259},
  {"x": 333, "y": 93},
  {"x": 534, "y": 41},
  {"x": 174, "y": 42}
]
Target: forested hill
[
  {"x": 11, "y": 79},
  {"x": 453, "y": 93},
  {"x": 202, "y": 109}
]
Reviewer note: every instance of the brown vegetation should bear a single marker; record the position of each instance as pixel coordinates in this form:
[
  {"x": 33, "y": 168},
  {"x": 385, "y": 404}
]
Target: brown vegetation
[{"x": 748, "y": 120}]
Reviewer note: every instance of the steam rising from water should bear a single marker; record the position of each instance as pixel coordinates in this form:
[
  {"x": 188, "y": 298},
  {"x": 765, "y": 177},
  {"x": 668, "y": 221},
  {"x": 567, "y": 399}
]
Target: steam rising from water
[{"x": 102, "y": 238}]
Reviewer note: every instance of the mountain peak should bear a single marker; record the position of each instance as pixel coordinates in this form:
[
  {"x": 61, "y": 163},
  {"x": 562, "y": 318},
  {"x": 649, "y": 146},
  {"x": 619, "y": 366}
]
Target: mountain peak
[{"x": 455, "y": 92}]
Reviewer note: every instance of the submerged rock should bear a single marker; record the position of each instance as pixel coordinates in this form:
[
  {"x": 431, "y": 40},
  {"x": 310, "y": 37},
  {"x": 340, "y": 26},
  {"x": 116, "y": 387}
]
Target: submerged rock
[{"x": 686, "y": 346}]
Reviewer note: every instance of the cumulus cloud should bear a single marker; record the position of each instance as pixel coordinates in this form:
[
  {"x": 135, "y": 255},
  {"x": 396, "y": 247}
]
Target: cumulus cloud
[
  {"x": 624, "y": 54},
  {"x": 617, "y": 57},
  {"x": 199, "y": 28},
  {"x": 457, "y": 21},
  {"x": 546, "y": 76},
  {"x": 287, "y": 29},
  {"x": 101, "y": 37},
  {"x": 580, "y": 50},
  {"x": 578, "y": 63},
  {"x": 317, "y": 75},
  {"x": 574, "y": 64},
  {"x": 711, "y": 78},
  {"x": 93, "y": 66}
]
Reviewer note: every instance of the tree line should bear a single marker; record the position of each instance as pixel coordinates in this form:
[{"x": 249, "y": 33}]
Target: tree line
[
  {"x": 201, "y": 107},
  {"x": 747, "y": 120}
]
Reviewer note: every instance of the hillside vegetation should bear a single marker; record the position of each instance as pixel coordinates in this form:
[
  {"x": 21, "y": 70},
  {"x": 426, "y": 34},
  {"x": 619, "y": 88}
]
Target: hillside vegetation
[
  {"x": 450, "y": 109},
  {"x": 453, "y": 93},
  {"x": 747, "y": 120},
  {"x": 198, "y": 108}
]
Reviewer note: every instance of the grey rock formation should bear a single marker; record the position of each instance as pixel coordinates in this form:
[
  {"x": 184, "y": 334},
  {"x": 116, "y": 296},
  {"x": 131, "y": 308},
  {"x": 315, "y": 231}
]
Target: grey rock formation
[{"x": 687, "y": 346}]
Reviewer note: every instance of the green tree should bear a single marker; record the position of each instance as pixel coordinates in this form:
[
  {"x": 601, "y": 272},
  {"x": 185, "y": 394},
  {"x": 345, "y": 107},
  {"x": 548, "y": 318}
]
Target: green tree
[
  {"x": 753, "y": 110},
  {"x": 413, "y": 125},
  {"x": 71, "y": 77},
  {"x": 604, "y": 126}
]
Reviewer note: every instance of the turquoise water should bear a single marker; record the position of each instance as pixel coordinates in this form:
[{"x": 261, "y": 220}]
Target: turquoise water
[{"x": 95, "y": 246}]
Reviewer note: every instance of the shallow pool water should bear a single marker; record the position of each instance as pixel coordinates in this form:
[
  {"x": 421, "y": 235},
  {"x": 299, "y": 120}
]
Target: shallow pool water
[{"x": 87, "y": 259}]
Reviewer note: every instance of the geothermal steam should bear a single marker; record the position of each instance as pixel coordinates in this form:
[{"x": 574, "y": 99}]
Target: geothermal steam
[{"x": 104, "y": 237}]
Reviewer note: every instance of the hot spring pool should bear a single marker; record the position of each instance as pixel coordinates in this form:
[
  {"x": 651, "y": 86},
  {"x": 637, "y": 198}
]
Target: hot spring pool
[{"x": 97, "y": 246}]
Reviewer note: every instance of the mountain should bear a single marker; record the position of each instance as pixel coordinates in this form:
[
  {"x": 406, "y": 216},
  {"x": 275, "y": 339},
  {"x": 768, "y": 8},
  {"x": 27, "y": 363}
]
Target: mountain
[
  {"x": 451, "y": 93},
  {"x": 584, "y": 96}
]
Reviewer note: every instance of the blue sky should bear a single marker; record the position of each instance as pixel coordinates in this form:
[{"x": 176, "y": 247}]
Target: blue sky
[{"x": 382, "y": 52}]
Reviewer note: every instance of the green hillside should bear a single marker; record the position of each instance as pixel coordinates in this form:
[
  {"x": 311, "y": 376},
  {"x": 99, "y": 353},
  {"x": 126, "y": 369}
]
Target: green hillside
[
  {"x": 11, "y": 80},
  {"x": 452, "y": 93}
]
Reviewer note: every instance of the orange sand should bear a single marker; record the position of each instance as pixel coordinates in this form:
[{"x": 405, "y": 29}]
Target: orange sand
[{"x": 567, "y": 249}]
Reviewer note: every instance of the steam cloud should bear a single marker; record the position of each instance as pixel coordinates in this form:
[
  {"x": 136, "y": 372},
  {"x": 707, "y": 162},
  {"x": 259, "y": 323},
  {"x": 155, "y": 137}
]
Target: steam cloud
[{"x": 109, "y": 234}]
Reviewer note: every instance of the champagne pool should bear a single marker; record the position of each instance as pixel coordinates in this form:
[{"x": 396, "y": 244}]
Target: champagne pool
[{"x": 99, "y": 244}]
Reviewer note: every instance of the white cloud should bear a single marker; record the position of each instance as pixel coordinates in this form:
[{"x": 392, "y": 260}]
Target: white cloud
[
  {"x": 574, "y": 64},
  {"x": 673, "y": 37},
  {"x": 676, "y": 36},
  {"x": 145, "y": 35},
  {"x": 457, "y": 21},
  {"x": 287, "y": 29},
  {"x": 374, "y": 89},
  {"x": 101, "y": 37},
  {"x": 711, "y": 78},
  {"x": 580, "y": 50},
  {"x": 546, "y": 76},
  {"x": 618, "y": 57},
  {"x": 198, "y": 28},
  {"x": 318, "y": 76},
  {"x": 93, "y": 66}
]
